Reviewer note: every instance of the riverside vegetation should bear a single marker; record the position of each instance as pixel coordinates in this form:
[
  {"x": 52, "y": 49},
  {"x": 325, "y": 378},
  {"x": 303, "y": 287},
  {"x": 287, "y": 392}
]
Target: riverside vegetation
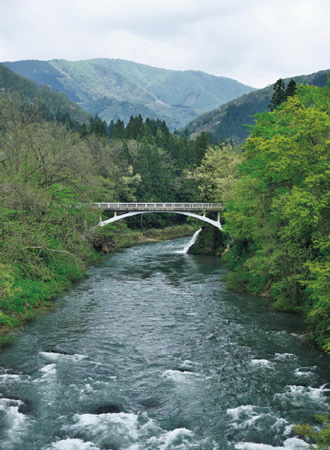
[
  {"x": 275, "y": 191},
  {"x": 277, "y": 210},
  {"x": 276, "y": 232},
  {"x": 51, "y": 172},
  {"x": 276, "y": 239}
]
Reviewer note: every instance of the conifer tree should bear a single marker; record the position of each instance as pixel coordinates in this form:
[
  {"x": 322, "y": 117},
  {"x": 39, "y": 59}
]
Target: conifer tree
[
  {"x": 291, "y": 88},
  {"x": 119, "y": 130},
  {"x": 83, "y": 131},
  {"x": 279, "y": 95}
]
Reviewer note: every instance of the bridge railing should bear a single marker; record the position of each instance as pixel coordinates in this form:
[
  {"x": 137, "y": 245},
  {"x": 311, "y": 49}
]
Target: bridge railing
[{"x": 159, "y": 206}]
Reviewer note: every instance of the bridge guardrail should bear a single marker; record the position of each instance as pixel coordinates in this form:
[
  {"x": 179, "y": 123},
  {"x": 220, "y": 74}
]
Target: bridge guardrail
[{"x": 158, "y": 206}]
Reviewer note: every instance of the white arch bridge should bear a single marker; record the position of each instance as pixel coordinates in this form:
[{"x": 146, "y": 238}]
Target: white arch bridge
[{"x": 187, "y": 209}]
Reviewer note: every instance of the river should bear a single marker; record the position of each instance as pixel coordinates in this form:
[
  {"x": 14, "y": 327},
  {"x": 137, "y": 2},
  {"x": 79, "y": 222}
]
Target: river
[{"x": 151, "y": 351}]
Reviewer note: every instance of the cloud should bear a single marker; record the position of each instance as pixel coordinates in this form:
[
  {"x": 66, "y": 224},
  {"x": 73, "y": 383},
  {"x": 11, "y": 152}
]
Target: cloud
[{"x": 255, "y": 42}]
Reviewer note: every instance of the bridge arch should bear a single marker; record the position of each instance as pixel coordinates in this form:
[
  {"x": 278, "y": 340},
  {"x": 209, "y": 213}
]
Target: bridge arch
[{"x": 215, "y": 223}]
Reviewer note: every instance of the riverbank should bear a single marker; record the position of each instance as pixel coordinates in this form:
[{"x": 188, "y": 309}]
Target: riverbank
[
  {"x": 27, "y": 298},
  {"x": 127, "y": 239},
  {"x": 234, "y": 255},
  {"x": 152, "y": 351}
]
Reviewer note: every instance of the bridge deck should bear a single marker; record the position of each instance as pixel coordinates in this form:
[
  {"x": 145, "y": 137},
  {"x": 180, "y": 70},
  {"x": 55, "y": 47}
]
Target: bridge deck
[{"x": 159, "y": 206}]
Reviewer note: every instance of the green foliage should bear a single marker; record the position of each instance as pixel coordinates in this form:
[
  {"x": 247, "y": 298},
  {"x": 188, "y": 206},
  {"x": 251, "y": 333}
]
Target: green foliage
[
  {"x": 320, "y": 437},
  {"x": 210, "y": 242},
  {"x": 279, "y": 95},
  {"x": 280, "y": 208},
  {"x": 217, "y": 173},
  {"x": 49, "y": 174},
  {"x": 290, "y": 89},
  {"x": 46, "y": 172},
  {"x": 143, "y": 161}
]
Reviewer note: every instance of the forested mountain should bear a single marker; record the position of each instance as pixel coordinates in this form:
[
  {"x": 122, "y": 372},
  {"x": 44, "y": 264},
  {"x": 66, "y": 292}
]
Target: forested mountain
[
  {"x": 228, "y": 121},
  {"x": 56, "y": 103},
  {"x": 117, "y": 89}
]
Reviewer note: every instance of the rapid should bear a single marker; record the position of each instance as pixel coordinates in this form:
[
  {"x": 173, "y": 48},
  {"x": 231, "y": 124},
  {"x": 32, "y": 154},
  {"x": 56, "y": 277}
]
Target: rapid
[{"x": 151, "y": 351}]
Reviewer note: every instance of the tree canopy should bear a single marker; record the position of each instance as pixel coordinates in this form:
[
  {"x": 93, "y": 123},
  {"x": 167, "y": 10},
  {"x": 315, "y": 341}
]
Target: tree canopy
[{"x": 279, "y": 212}]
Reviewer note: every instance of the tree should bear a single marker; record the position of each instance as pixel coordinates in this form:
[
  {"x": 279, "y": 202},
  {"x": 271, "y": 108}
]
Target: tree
[
  {"x": 119, "y": 130},
  {"x": 321, "y": 437},
  {"x": 201, "y": 143},
  {"x": 291, "y": 88},
  {"x": 279, "y": 95},
  {"x": 280, "y": 209},
  {"x": 111, "y": 129},
  {"x": 134, "y": 127},
  {"x": 154, "y": 166},
  {"x": 46, "y": 172},
  {"x": 217, "y": 173},
  {"x": 98, "y": 127},
  {"x": 83, "y": 131}
]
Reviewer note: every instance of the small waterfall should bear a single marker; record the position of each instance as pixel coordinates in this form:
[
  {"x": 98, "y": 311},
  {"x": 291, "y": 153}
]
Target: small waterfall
[{"x": 191, "y": 242}]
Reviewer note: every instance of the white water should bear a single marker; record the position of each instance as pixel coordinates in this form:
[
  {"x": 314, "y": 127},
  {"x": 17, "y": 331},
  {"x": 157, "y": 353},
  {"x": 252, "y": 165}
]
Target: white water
[
  {"x": 152, "y": 352},
  {"x": 191, "y": 242}
]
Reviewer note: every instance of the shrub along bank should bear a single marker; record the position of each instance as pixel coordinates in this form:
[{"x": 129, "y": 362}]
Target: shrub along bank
[
  {"x": 23, "y": 297},
  {"x": 47, "y": 174},
  {"x": 278, "y": 212}
]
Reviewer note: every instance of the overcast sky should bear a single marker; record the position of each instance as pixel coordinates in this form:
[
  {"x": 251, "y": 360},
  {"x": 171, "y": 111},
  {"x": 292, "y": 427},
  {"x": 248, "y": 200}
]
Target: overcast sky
[{"x": 253, "y": 41}]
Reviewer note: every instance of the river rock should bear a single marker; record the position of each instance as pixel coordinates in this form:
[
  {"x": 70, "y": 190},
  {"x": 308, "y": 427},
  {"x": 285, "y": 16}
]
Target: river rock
[{"x": 107, "y": 409}]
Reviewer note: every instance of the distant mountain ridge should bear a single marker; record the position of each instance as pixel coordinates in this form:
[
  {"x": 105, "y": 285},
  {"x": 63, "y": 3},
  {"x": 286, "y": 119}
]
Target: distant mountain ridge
[
  {"x": 114, "y": 88},
  {"x": 229, "y": 121},
  {"x": 56, "y": 103}
]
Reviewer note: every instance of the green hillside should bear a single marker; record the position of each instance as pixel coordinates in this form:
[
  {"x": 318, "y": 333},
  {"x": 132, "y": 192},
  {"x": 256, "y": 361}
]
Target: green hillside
[
  {"x": 229, "y": 120},
  {"x": 113, "y": 88},
  {"x": 55, "y": 102}
]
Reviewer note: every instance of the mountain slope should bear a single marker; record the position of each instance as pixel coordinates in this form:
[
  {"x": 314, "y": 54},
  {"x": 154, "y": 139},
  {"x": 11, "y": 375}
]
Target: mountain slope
[
  {"x": 56, "y": 102},
  {"x": 229, "y": 120},
  {"x": 114, "y": 88}
]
